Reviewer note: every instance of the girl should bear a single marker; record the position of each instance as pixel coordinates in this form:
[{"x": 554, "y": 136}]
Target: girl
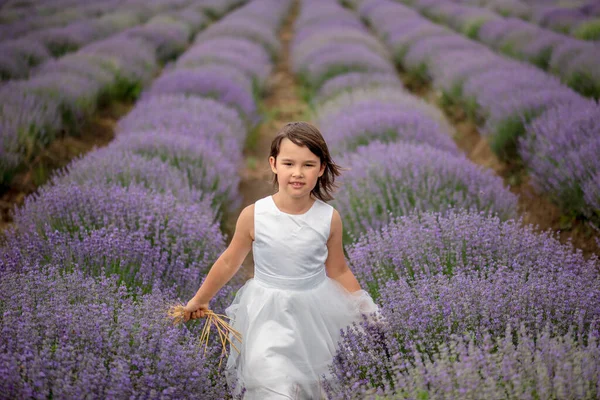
[{"x": 303, "y": 293}]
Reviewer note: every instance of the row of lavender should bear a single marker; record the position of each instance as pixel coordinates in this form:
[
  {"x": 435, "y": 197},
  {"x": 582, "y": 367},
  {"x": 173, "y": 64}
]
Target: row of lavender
[
  {"x": 60, "y": 19},
  {"x": 19, "y": 57},
  {"x": 575, "y": 61},
  {"x": 527, "y": 114},
  {"x": 477, "y": 305},
  {"x": 578, "y": 18},
  {"x": 96, "y": 257},
  {"x": 64, "y": 93},
  {"x": 20, "y": 18}
]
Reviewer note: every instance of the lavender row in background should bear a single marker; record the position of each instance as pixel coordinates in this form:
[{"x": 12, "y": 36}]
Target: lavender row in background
[
  {"x": 398, "y": 148},
  {"x": 148, "y": 218},
  {"x": 22, "y": 55},
  {"x": 575, "y": 61},
  {"x": 577, "y": 18},
  {"x": 506, "y": 96},
  {"x": 19, "y": 19},
  {"x": 64, "y": 93},
  {"x": 34, "y": 17}
]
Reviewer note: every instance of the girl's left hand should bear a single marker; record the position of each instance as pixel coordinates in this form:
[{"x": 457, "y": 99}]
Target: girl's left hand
[{"x": 194, "y": 309}]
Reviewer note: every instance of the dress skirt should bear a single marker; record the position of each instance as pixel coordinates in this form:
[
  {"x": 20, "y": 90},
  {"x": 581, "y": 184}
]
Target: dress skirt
[{"x": 290, "y": 328}]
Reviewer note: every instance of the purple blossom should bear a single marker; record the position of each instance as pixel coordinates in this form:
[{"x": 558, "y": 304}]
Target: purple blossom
[
  {"x": 336, "y": 58},
  {"x": 376, "y": 100},
  {"x": 133, "y": 59},
  {"x": 80, "y": 65},
  {"x": 29, "y": 51},
  {"x": 207, "y": 165},
  {"x": 89, "y": 337},
  {"x": 200, "y": 117},
  {"x": 321, "y": 42},
  {"x": 75, "y": 96},
  {"x": 194, "y": 19},
  {"x": 538, "y": 364},
  {"x": 248, "y": 29},
  {"x": 109, "y": 166},
  {"x": 251, "y": 58},
  {"x": 187, "y": 232},
  {"x": 421, "y": 50},
  {"x": 560, "y": 151},
  {"x": 350, "y": 130},
  {"x": 401, "y": 178},
  {"x": 227, "y": 84},
  {"x": 66, "y": 39},
  {"x": 169, "y": 38},
  {"x": 438, "y": 276},
  {"x": 356, "y": 80}
]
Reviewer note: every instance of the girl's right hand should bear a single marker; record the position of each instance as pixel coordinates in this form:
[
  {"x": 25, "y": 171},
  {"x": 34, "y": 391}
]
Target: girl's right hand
[{"x": 194, "y": 309}]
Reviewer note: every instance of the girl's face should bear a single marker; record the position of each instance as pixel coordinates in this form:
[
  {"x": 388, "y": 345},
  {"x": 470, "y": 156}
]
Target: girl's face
[{"x": 297, "y": 169}]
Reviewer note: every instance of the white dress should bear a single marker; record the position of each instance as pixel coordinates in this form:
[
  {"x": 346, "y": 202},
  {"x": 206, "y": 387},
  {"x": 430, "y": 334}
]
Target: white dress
[{"x": 291, "y": 313}]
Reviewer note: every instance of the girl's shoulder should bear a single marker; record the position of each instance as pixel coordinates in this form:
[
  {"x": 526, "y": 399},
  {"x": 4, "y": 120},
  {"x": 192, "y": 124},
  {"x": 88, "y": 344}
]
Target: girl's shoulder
[{"x": 245, "y": 222}]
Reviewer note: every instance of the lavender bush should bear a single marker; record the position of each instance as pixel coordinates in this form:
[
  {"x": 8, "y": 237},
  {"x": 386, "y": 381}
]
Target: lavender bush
[
  {"x": 375, "y": 99},
  {"x": 396, "y": 179},
  {"x": 438, "y": 275},
  {"x": 109, "y": 166},
  {"x": 203, "y": 161},
  {"x": 93, "y": 338},
  {"x": 356, "y": 80},
  {"x": 560, "y": 151},
  {"x": 525, "y": 364},
  {"x": 187, "y": 232},
  {"x": 226, "y": 84},
  {"x": 349, "y": 130}
]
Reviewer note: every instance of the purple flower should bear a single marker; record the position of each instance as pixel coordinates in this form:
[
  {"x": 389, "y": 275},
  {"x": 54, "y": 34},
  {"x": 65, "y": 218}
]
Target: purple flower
[
  {"x": 227, "y": 84},
  {"x": 198, "y": 117},
  {"x": 356, "y": 80},
  {"x": 169, "y": 38},
  {"x": 185, "y": 230},
  {"x": 207, "y": 166},
  {"x": 109, "y": 166},
  {"x": 376, "y": 100},
  {"x": 389, "y": 180},
  {"x": 349, "y": 130},
  {"x": 91, "y": 337},
  {"x": 560, "y": 151},
  {"x": 133, "y": 59},
  {"x": 246, "y": 29},
  {"x": 250, "y": 58},
  {"x": 439, "y": 276}
]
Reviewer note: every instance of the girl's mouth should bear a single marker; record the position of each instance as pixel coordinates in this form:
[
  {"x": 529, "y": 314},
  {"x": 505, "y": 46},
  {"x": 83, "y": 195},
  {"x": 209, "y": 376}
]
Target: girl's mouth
[{"x": 296, "y": 185}]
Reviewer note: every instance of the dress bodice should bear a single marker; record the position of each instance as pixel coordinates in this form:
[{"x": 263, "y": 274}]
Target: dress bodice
[{"x": 290, "y": 250}]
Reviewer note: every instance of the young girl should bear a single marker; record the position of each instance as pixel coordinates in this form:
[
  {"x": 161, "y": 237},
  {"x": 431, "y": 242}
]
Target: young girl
[{"x": 303, "y": 293}]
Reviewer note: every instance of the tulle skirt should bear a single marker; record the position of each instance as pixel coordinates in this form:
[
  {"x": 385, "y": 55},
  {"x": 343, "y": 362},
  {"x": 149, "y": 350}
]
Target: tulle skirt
[{"x": 289, "y": 335}]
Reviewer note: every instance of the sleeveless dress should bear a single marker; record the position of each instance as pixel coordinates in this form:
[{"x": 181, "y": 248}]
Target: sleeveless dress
[{"x": 291, "y": 313}]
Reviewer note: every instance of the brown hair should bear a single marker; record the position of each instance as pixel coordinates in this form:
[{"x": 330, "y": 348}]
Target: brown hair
[{"x": 304, "y": 134}]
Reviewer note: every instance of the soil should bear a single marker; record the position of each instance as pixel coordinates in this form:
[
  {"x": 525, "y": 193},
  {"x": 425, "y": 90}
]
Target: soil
[
  {"x": 95, "y": 134},
  {"x": 534, "y": 208},
  {"x": 281, "y": 104}
]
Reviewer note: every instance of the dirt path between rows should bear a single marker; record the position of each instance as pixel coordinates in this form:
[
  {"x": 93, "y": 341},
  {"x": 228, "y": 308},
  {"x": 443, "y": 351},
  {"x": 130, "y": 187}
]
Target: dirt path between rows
[
  {"x": 281, "y": 104},
  {"x": 534, "y": 208}
]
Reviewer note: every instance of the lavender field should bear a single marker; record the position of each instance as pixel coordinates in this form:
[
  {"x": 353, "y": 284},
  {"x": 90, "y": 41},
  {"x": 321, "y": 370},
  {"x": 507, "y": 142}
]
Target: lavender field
[{"x": 478, "y": 303}]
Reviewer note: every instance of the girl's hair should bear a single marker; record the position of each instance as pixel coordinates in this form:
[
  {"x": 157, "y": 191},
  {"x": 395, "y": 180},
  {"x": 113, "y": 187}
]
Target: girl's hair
[{"x": 304, "y": 134}]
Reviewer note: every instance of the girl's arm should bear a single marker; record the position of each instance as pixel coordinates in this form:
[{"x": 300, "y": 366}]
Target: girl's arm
[
  {"x": 226, "y": 265},
  {"x": 336, "y": 265}
]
